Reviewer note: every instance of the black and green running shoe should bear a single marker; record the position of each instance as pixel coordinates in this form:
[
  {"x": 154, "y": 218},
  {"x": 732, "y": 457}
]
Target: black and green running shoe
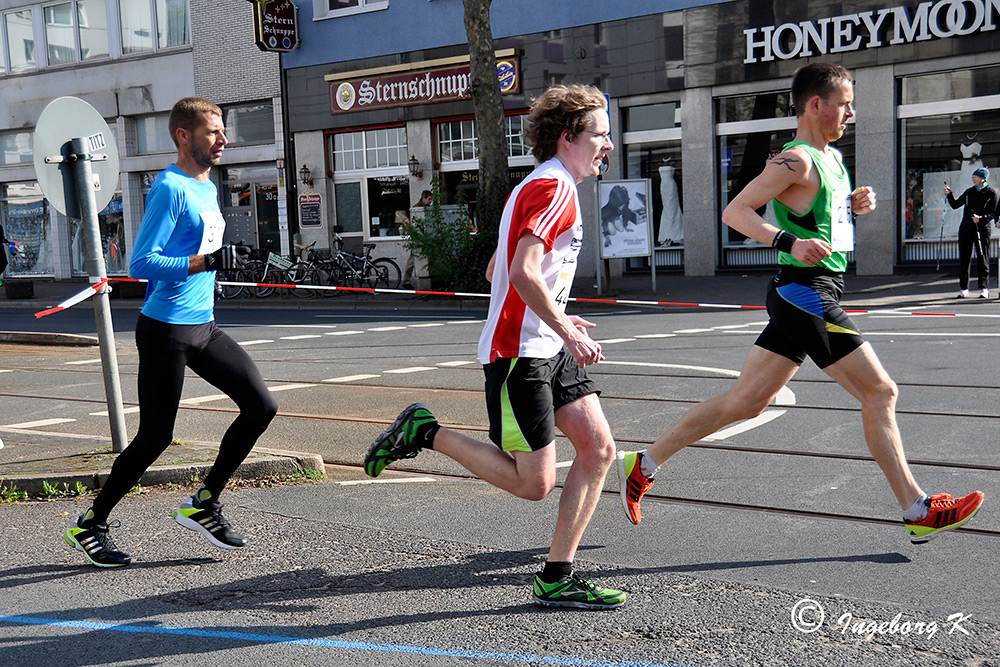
[
  {"x": 574, "y": 591},
  {"x": 96, "y": 544},
  {"x": 202, "y": 514},
  {"x": 403, "y": 440}
]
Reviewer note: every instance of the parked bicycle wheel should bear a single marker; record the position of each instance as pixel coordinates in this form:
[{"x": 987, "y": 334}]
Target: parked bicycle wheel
[
  {"x": 230, "y": 276},
  {"x": 384, "y": 274},
  {"x": 328, "y": 274},
  {"x": 269, "y": 276},
  {"x": 300, "y": 273}
]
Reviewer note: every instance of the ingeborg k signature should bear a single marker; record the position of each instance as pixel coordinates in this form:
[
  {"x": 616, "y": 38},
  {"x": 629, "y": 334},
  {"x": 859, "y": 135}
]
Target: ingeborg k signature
[{"x": 808, "y": 616}]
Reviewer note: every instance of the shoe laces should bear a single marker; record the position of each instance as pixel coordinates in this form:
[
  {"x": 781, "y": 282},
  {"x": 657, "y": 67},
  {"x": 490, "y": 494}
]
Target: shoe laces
[
  {"x": 941, "y": 501},
  {"x": 584, "y": 583},
  {"x": 103, "y": 536},
  {"x": 215, "y": 509}
]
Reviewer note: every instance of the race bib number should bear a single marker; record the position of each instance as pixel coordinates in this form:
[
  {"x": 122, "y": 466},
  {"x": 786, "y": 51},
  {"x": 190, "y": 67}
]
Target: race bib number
[
  {"x": 560, "y": 291},
  {"x": 213, "y": 229},
  {"x": 841, "y": 222}
]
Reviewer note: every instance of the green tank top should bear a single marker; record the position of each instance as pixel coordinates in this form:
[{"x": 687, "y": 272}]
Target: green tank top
[{"x": 832, "y": 204}]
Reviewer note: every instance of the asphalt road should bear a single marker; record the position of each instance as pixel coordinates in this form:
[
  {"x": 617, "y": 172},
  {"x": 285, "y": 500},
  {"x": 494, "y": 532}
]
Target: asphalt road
[{"x": 786, "y": 514}]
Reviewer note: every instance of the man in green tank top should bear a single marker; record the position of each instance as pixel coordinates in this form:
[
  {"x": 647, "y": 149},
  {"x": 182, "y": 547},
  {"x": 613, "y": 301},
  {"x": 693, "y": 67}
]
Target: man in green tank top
[{"x": 814, "y": 207}]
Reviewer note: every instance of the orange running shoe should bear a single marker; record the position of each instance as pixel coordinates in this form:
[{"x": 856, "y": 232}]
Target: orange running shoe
[
  {"x": 633, "y": 484},
  {"x": 944, "y": 513}
]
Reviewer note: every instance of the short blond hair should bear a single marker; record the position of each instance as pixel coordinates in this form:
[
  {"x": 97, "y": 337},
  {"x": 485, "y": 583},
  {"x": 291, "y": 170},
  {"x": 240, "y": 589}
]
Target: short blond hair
[
  {"x": 187, "y": 113},
  {"x": 560, "y": 108}
]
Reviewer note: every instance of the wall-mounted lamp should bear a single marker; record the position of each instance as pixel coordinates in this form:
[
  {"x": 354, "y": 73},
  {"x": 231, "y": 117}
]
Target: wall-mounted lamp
[
  {"x": 414, "y": 164},
  {"x": 306, "y": 176}
]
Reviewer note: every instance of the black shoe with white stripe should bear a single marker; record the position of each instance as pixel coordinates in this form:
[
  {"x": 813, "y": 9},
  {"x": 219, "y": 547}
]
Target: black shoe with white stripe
[
  {"x": 96, "y": 544},
  {"x": 205, "y": 517}
]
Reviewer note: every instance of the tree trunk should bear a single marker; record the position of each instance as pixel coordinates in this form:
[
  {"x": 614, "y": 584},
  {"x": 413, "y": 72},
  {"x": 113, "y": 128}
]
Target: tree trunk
[{"x": 485, "y": 89}]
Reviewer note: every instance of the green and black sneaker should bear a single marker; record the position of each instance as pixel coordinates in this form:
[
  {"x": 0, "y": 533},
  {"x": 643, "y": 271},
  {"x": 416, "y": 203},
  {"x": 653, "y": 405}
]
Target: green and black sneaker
[
  {"x": 574, "y": 591},
  {"x": 412, "y": 431},
  {"x": 95, "y": 542}
]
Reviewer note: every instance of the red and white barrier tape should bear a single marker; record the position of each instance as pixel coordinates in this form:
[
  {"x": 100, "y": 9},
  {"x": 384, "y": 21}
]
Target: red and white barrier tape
[{"x": 93, "y": 289}]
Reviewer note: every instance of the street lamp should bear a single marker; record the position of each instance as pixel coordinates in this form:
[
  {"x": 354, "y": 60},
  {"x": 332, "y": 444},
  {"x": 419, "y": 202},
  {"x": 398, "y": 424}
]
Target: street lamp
[
  {"x": 414, "y": 164},
  {"x": 306, "y": 176}
]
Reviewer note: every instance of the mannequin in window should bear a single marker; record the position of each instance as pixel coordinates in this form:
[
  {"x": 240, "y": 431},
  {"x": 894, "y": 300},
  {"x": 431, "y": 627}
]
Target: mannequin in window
[{"x": 671, "y": 220}]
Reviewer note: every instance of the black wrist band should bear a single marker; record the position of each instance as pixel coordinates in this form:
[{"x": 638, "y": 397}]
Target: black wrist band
[{"x": 784, "y": 241}]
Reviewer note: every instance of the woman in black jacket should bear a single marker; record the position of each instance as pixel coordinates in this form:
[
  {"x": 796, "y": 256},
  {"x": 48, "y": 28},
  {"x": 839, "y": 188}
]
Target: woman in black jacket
[{"x": 980, "y": 203}]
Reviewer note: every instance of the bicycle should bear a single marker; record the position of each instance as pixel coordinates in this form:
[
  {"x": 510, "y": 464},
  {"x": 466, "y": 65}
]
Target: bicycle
[
  {"x": 230, "y": 276},
  {"x": 361, "y": 270}
]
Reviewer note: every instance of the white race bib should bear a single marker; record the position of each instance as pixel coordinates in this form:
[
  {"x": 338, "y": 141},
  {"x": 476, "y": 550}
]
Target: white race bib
[
  {"x": 841, "y": 222},
  {"x": 213, "y": 229}
]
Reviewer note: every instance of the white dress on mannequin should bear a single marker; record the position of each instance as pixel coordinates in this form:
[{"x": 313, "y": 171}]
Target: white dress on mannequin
[{"x": 671, "y": 220}]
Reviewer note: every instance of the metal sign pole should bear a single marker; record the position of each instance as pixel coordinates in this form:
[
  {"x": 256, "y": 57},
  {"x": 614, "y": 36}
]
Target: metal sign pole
[{"x": 83, "y": 181}]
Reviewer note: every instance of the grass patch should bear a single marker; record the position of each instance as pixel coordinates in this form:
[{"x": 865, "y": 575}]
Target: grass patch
[{"x": 11, "y": 493}]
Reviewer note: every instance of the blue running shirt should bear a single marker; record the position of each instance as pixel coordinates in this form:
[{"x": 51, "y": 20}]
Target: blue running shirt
[{"x": 182, "y": 219}]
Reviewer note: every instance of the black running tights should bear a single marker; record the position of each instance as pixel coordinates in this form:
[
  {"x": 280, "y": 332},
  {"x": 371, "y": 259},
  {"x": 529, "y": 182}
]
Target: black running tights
[{"x": 164, "y": 351}]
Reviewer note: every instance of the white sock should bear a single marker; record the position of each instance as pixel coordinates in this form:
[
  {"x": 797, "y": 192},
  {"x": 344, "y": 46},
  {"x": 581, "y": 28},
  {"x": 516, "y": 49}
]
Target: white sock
[
  {"x": 918, "y": 510},
  {"x": 647, "y": 465}
]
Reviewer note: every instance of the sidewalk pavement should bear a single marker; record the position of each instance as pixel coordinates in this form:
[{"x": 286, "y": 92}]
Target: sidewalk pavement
[{"x": 30, "y": 458}]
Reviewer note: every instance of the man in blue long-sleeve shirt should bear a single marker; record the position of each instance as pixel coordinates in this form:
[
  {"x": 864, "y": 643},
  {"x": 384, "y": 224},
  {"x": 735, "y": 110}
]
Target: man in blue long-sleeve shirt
[{"x": 178, "y": 250}]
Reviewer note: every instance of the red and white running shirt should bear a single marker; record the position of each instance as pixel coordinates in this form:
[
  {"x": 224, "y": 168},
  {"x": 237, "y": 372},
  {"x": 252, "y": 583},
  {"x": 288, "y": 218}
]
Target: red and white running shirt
[{"x": 546, "y": 205}]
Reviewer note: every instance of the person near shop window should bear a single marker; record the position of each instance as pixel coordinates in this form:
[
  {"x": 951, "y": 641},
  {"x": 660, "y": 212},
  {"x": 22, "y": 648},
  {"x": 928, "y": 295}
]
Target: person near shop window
[
  {"x": 426, "y": 198},
  {"x": 980, "y": 202},
  {"x": 178, "y": 250},
  {"x": 3, "y": 254},
  {"x": 814, "y": 209},
  {"x": 533, "y": 354}
]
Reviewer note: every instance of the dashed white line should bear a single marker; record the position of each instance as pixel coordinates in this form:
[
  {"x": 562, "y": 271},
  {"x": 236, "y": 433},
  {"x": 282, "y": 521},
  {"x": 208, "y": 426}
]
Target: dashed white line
[
  {"x": 203, "y": 399},
  {"x": 455, "y": 363},
  {"x": 286, "y": 387},
  {"x": 127, "y": 411},
  {"x": 82, "y": 362},
  {"x": 612, "y": 341},
  {"x": 350, "y": 378},
  {"x": 349, "y": 332},
  {"x": 692, "y": 331},
  {"x": 404, "y": 480},
  {"x": 387, "y": 328},
  {"x": 658, "y": 335},
  {"x": 426, "y": 325},
  {"x": 41, "y": 422},
  {"x": 262, "y": 341},
  {"x": 744, "y": 426},
  {"x": 411, "y": 369},
  {"x": 300, "y": 337}
]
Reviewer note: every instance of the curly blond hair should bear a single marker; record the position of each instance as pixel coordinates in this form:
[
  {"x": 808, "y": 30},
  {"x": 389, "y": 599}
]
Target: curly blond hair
[{"x": 560, "y": 108}]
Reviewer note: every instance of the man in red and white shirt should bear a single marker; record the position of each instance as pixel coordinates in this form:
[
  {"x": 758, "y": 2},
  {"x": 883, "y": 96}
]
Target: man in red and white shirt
[{"x": 533, "y": 354}]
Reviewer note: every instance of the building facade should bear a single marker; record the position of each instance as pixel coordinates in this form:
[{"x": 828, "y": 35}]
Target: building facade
[
  {"x": 131, "y": 60},
  {"x": 699, "y": 101}
]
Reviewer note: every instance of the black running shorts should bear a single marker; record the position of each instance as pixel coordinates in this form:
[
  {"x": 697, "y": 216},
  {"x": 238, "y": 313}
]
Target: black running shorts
[
  {"x": 523, "y": 395},
  {"x": 806, "y": 317}
]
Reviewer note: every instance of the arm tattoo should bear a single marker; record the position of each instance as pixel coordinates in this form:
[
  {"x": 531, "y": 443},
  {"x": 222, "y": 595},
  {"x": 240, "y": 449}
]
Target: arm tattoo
[{"x": 784, "y": 162}]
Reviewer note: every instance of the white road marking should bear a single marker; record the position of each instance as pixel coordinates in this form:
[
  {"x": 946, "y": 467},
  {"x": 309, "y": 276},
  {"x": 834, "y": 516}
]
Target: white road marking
[
  {"x": 301, "y": 337},
  {"x": 6, "y": 370},
  {"x": 785, "y": 396},
  {"x": 248, "y": 343},
  {"x": 564, "y": 464},
  {"x": 930, "y": 333},
  {"x": 466, "y": 322},
  {"x": 286, "y": 387},
  {"x": 203, "y": 399},
  {"x": 82, "y": 362},
  {"x": 350, "y": 378},
  {"x": 744, "y": 426},
  {"x": 455, "y": 363},
  {"x": 692, "y": 331},
  {"x": 426, "y": 325},
  {"x": 404, "y": 480},
  {"x": 612, "y": 341},
  {"x": 659, "y": 335},
  {"x": 411, "y": 369},
  {"x": 343, "y": 333},
  {"x": 387, "y": 328},
  {"x": 128, "y": 411},
  {"x": 41, "y": 422}
]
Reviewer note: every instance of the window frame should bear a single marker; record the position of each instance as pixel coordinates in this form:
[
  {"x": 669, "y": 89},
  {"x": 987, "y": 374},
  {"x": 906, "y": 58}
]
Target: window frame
[
  {"x": 322, "y": 11},
  {"x": 154, "y": 31}
]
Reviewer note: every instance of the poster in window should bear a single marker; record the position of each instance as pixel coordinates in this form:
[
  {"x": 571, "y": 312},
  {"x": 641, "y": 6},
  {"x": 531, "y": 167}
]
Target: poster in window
[{"x": 624, "y": 218}]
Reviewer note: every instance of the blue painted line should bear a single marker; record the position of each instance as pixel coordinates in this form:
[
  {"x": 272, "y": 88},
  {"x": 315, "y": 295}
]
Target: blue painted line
[{"x": 525, "y": 658}]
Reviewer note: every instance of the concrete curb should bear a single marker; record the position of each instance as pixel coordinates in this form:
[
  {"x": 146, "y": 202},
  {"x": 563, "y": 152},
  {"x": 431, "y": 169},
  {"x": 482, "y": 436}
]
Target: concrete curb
[
  {"x": 41, "y": 338},
  {"x": 261, "y": 464}
]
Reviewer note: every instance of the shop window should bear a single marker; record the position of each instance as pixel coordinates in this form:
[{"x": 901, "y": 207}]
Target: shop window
[
  {"x": 661, "y": 164},
  {"x": 110, "y": 222},
  {"x": 388, "y": 204},
  {"x": 324, "y": 9},
  {"x": 19, "y": 31},
  {"x": 153, "y": 134},
  {"x": 652, "y": 117},
  {"x": 947, "y": 86},
  {"x": 250, "y": 124},
  {"x": 16, "y": 147},
  {"x": 147, "y": 25},
  {"x": 24, "y": 214},
  {"x": 937, "y": 151}
]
